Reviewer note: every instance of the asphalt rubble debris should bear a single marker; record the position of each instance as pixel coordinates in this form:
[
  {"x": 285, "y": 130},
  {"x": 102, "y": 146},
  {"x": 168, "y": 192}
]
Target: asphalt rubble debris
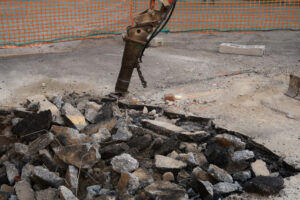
[{"x": 83, "y": 147}]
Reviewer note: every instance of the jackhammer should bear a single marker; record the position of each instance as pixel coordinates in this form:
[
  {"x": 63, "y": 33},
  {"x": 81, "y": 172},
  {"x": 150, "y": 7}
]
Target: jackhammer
[{"x": 147, "y": 25}]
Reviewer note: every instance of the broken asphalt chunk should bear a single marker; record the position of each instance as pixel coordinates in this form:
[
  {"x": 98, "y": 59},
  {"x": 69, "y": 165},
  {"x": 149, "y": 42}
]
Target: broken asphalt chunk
[
  {"x": 48, "y": 160},
  {"x": 264, "y": 185},
  {"x": 44, "y": 104},
  {"x": 21, "y": 112},
  {"x": 81, "y": 156},
  {"x": 227, "y": 140},
  {"x": 113, "y": 150},
  {"x": 33, "y": 125},
  {"x": 140, "y": 142},
  {"x": 197, "y": 136},
  {"x": 163, "y": 147},
  {"x": 166, "y": 190},
  {"x": 219, "y": 174},
  {"x": 40, "y": 143},
  {"x": 204, "y": 188},
  {"x": 218, "y": 154},
  {"x": 68, "y": 136},
  {"x": 108, "y": 124},
  {"x": 105, "y": 113},
  {"x": 161, "y": 127}
]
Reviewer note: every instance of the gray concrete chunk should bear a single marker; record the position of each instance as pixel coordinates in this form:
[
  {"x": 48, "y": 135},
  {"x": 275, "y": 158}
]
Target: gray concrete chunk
[
  {"x": 224, "y": 187},
  {"x": 27, "y": 172},
  {"x": 24, "y": 191},
  {"x": 20, "y": 148},
  {"x": 72, "y": 177},
  {"x": 11, "y": 171},
  {"x": 74, "y": 116},
  {"x": 92, "y": 191},
  {"x": 124, "y": 163},
  {"x": 44, "y": 176},
  {"x": 66, "y": 194},
  {"x": 122, "y": 134},
  {"x": 242, "y": 176},
  {"x": 243, "y": 155}
]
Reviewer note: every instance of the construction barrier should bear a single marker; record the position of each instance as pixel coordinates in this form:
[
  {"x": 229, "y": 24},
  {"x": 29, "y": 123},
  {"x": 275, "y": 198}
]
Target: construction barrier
[{"x": 29, "y": 22}]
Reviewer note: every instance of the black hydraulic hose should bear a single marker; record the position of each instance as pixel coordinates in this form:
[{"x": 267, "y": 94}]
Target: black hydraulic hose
[
  {"x": 166, "y": 22},
  {"x": 159, "y": 28}
]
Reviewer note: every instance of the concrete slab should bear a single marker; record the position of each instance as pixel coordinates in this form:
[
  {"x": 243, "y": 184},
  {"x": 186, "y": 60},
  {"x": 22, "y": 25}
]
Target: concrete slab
[{"x": 249, "y": 50}]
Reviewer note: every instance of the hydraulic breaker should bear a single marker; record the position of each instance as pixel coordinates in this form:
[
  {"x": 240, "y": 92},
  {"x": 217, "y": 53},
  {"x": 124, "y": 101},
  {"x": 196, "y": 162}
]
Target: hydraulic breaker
[{"x": 147, "y": 25}]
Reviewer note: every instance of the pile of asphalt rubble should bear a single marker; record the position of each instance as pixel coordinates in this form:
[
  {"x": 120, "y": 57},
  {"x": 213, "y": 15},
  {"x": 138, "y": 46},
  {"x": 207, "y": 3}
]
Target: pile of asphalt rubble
[{"x": 83, "y": 148}]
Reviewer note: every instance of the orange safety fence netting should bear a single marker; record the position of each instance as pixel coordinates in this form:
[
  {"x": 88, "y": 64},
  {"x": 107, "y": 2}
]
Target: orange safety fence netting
[{"x": 29, "y": 22}]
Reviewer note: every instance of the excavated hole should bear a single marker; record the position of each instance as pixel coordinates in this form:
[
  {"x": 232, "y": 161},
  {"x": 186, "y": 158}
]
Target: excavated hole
[{"x": 134, "y": 132}]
